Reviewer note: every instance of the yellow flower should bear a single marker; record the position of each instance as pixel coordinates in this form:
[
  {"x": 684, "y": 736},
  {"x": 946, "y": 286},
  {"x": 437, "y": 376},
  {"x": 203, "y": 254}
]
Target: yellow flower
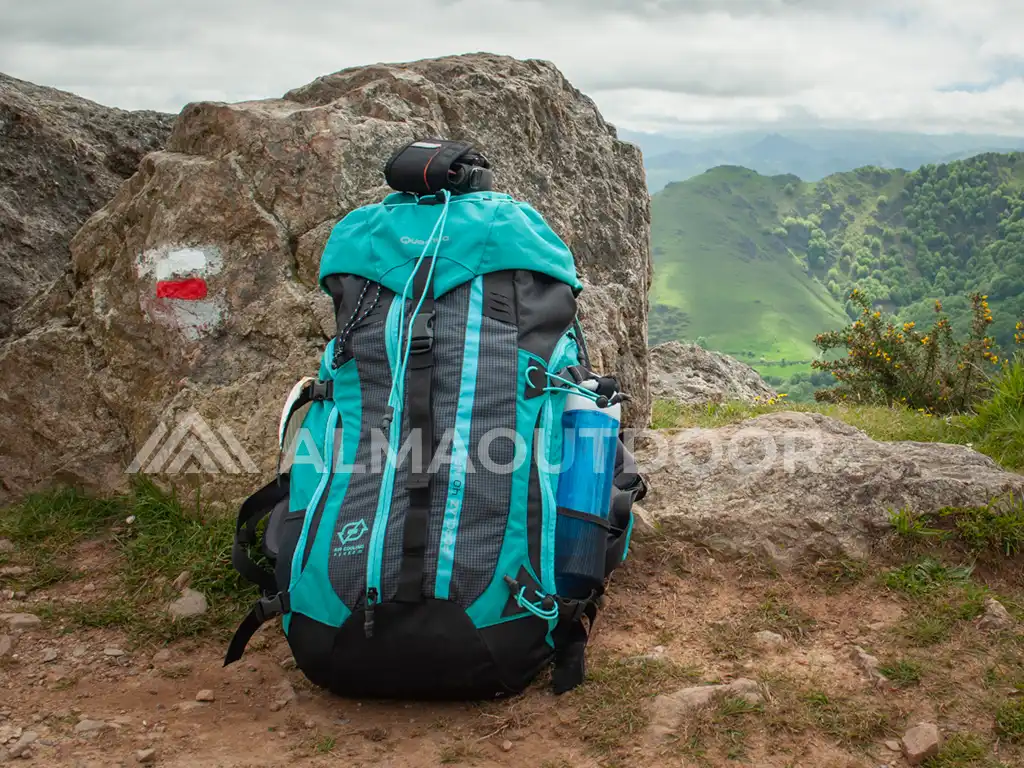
[
  {"x": 909, "y": 326},
  {"x": 926, "y": 339}
]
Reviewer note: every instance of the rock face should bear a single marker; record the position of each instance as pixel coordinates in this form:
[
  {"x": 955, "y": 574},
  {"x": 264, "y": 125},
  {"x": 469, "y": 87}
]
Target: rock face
[
  {"x": 691, "y": 375},
  {"x": 247, "y": 195},
  {"x": 61, "y": 158},
  {"x": 790, "y": 486}
]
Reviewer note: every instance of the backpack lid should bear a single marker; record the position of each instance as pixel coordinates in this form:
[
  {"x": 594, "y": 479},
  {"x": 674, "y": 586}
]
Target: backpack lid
[{"x": 485, "y": 232}]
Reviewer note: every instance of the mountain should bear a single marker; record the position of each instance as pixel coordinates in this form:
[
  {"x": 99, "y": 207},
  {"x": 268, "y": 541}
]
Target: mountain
[
  {"x": 758, "y": 265},
  {"x": 810, "y": 154},
  {"x": 722, "y": 276}
]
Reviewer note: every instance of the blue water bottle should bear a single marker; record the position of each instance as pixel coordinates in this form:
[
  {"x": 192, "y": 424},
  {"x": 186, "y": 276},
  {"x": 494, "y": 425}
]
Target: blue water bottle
[{"x": 590, "y": 437}]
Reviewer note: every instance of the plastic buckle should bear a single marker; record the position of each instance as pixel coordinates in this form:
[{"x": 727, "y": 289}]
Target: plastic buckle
[
  {"x": 269, "y": 607},
  {"x": 422, "y": 338},
  {"x": 321, "y": 390}
]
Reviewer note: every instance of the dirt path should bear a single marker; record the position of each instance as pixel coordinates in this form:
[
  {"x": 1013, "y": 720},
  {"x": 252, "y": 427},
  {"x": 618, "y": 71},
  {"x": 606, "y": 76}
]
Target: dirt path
[{"x": 676, "y": 618}]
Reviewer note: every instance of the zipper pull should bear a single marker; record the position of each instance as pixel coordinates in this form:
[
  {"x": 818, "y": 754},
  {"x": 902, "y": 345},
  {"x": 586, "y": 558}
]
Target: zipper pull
[
  {"x": 371, "y": 601},
  {"x": 389, "y": 416}
]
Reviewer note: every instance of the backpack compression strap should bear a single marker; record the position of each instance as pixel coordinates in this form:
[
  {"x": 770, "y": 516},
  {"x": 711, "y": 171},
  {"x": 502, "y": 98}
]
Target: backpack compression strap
[{"x": 421, "y": 422}]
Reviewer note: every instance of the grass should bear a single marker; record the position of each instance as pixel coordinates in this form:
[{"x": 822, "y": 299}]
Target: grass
[
  {"x": 925, "y": 577},
  {"x": 963, "y": 750},
  {"x": 737, "y": 284},
  {"x": 734, "y": 639},
  {"x": 903, "y": 673},
  {"x": 325, "y": 745},
  {"x": 457, "y": 752},
  {"x": 1009, "y": 721},
  {"x": 997, "y": 425},
  {"x": 993, "y": 532},
  {"x": 878, "y": 422},
  {"x": 612, "y": 706},
  {"x": 165, "y": 537}
]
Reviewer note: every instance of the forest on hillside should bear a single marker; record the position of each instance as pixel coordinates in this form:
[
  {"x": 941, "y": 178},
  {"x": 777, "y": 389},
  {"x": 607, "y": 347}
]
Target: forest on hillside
[{"x": 905, "y": 239}]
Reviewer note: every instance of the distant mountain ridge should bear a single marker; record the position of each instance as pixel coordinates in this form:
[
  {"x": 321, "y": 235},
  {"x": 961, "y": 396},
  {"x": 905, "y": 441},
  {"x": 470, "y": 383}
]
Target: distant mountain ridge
[{"x": 810, "y": 154}]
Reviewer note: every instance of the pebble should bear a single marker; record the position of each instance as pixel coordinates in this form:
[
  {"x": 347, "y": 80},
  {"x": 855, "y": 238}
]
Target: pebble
[
  {"x": 162, "y": 656},
  {"x": 20, "y": 748},
  {"x": 89, "y": 588},
  {"x": 6, "y": 645},
  {"x": 921, "y": 742},
  {"x": 114, "y": 653},
  {"x": 506, "y": 746},
  {"x": 996, "y": 616},
  {"x": 90, "y": 726},
  {"x": 15, "y": 570},
  {"x": 285, "y": 695},
  {"x": 893, "y": 746},
  {"x": 189, "y": 605},
  {"x": 6, "y": 546},
  {"x": 145, "y": 756},
  {"x": 768, "y": 639},
  {"x": 79, "y": 651},
  {"x": 49, "y": 655},
  {"x": 870, "y": 666},
  {"x": 206, "y": 695},
  {"x": 21, "y": 620},
  {"x": 288, "y": 662}
]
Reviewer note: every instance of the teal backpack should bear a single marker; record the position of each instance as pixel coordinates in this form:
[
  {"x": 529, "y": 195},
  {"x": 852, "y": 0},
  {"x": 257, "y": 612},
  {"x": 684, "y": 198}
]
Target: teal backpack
[{"x": 409, "y": 546}]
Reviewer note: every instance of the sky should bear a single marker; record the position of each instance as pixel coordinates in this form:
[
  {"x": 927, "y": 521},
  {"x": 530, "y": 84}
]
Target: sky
[{"x": 672, "y": 66}]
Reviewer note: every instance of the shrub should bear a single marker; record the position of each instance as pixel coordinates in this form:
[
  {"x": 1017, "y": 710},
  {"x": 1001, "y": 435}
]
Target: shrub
[{"x": 891, "y": 365}]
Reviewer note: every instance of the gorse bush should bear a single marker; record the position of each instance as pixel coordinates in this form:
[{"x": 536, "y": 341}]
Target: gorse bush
[{"x": 891, "y": 365}]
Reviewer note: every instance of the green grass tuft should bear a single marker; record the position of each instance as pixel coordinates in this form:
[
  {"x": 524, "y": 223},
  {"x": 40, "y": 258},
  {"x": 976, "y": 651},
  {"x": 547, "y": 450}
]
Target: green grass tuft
[
  {"x": 925, "y": 577},
  {"x": 1010, "y": 721},
  {"x": 903, "y": 673},
  {"x": 997, "y": 426},
  {"x": 165, "y": 537}
]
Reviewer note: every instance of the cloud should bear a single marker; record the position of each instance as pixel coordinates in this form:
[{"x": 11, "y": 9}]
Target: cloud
[{"x": 653, "y": 64}]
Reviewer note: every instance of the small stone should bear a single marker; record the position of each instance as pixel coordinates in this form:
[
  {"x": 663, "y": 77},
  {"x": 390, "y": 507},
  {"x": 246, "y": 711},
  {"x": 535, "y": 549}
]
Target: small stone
[
  {"x": 893, "y": 746},
  {"x": 921, "y": 742},
  {"x": 6, "y": 546},
  {"x": 6, "y": 646},
  {"x": 768, "y": 639},
  {"x": 162, "y": 656},
  {"x": 996, "y": 616},
  {"x": 90, "y": 726},
  {"x": 89, "y": 588},
  {"x": 14, "y": 571},
  {"x": 285, "y": 695},
  {"x": 145, "y": 756},
  {"x": 182, "y": 582},
  {"x": 288, "y": 662},
  {"x": 20, "y": 595},
  {"x": 49, "y": 655},
  {"x": 870, "y": 666},
  {"x": 114, "y": 653},
  {"x": 506, "y": 746},
  {"x": 9, "y": 733},
  {"x": 79, "y": 651},
  {"x": 669, "y": 709},
  {"x": 20, "y": 748},
  {"x": 189, "y": 605},
  {"x": 206, "y": 696},
  {"x": 21, "y": 620}
]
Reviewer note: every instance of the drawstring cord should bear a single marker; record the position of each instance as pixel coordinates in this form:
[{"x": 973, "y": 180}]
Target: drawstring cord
[
  {"x": 398, "y": 377},
  {"x": 536, "y": 609},
  {"x": 581, "y": 390}
]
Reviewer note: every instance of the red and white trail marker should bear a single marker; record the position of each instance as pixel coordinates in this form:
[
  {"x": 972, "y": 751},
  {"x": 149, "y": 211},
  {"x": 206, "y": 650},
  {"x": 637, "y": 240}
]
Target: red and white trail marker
[{"x": 176, "y": 291}]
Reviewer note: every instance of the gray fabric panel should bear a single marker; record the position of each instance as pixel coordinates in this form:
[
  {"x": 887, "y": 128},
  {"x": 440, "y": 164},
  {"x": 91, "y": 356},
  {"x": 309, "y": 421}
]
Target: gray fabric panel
[
  {"x": 451, "y": 312},
  {"x": 488, "y": 490},
  {"x": 348, "y": 564}
]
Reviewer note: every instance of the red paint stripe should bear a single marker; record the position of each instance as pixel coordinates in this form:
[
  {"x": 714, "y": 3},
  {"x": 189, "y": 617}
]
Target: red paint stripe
[{"x": 191, "y": 289}]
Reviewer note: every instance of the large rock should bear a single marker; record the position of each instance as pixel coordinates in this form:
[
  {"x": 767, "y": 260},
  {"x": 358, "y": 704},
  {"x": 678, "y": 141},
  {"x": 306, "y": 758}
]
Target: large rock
[
  {"x": 61, "y": 158},
  {"x": 691, "y": 375},
  {"x": 247, "y": 194},
  {"x": 790, "y": 486}
]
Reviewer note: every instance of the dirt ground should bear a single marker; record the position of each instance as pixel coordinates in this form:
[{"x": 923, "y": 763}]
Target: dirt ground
[{"x": 676, "y": 618}]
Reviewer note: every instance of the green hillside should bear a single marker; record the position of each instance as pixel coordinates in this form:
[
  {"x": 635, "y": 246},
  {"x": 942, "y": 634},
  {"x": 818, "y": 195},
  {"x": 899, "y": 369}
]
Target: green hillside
[
  {"x": 758, "y": 265},
  {"x": 723, "y": 275}
]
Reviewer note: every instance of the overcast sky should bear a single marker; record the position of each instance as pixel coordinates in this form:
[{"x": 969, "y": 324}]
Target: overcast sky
[{"x": 668, "y": 65}]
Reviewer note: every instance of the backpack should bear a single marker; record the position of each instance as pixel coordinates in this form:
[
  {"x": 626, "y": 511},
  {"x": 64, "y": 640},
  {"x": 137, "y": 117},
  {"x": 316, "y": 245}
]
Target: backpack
[{"x": 409, "y": 543}]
